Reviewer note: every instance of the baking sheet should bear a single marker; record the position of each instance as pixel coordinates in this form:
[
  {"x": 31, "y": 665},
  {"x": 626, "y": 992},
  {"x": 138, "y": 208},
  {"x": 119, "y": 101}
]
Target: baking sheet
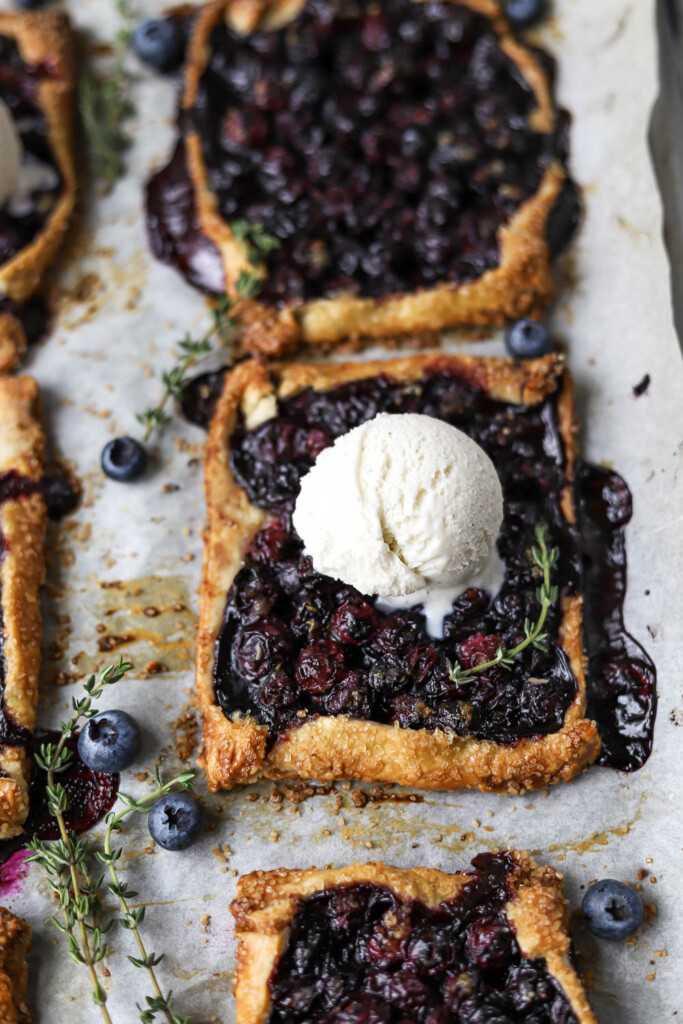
[{"x": 131, "y": 548}]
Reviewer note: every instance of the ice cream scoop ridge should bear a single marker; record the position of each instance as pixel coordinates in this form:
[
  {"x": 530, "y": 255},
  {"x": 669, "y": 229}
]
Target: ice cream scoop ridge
[{"x": 398, "y": 504}]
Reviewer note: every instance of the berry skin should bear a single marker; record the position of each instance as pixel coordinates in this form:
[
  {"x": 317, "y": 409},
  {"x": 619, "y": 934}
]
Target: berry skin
[
  {"x": 522, "y": 13},
  {"x": 109, "y": 742},
  {"x": 528, "y": 339},
  {"x": 175, "y": 821},
  {"x": 479, "y": 648},
  {"x": 30, "y": 5},
  {"x": 159, "y": 42},
  {"x": 124, "y": 459},
  {"x": 613, "y": 909}
]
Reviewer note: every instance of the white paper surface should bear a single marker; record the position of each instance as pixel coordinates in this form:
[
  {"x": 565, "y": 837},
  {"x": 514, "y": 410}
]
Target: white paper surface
[{"x": 116, "y": 332}]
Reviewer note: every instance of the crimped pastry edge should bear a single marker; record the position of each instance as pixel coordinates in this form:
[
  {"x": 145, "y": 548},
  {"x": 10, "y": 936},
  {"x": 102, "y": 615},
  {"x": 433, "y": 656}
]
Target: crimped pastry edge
[
  {"x": 22, "y": 571},
  {"x": 15, "y": 946},
  {"x": 328, "y": 747},
  {"x": 267, "y": 901},
  {"x": 521, "y": 285}
]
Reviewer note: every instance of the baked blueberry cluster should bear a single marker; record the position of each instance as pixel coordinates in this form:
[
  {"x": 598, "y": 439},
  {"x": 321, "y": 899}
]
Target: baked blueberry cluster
[
  {"x": 19, "y": 90},
  {"x": 383, "y": 146},
  {"x": 296, "y": 643},
  {"x": 359, "y": 954}
]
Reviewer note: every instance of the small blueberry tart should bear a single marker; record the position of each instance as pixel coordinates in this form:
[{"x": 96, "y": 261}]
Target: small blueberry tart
[
  {"x": 372, "y": 944},
  {"x": 391, "y": 168}
]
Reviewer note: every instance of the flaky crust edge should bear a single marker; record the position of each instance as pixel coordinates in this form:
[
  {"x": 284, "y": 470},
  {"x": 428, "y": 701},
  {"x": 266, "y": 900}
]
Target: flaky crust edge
[
  {"x": 42, "y": 36},
  {"x": 22, "y": 572},
  {"x": 330, "y": 748},
  {"x": 15, "y": 946},
  {"x": 267, "y": 901},
  {"x": 521, "y": 285}
]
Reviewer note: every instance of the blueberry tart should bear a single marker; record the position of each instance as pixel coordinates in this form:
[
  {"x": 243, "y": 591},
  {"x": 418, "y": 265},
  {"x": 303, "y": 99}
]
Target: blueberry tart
[
  {"x": 15, "y": 946},
  {"x": 383, "y": 169},
  {"x": 22, "y": 568},
  {"x": 299, "y": 674},
  {"x": 372, "y": 944},
  {"x": 38, "y": 177}
]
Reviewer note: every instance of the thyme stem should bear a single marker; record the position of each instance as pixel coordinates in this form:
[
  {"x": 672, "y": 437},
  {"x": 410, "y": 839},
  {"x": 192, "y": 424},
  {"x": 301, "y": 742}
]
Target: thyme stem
[
  {"x": 223, "y": 326},
  {"x": 546, "y": 595},
  {"x": 132, "y": 918},
  {"x": 78, "y": 896}
]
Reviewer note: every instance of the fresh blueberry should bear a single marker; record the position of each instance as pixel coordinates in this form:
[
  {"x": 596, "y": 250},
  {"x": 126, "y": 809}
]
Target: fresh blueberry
[
  {"x": 613, "y": 909},
  {"x": 522, "y": 13},
  {"x": 175, "y": 821},
  {"x": 124, "y": 459},
  {"x": 528, "y": 339},
  {"x": 109, "y": 741},
  {"x": 159, "y": 42},
  {"x": 30, "y": 5}
]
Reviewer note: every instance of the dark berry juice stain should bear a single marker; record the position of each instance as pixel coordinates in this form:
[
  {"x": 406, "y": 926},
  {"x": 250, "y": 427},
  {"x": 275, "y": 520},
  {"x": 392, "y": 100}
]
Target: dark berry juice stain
[
  {"x": 58, "y": 486},
  {"x": 200, "y": 395},
  {"x": 18, "y": 89},
  {"x": 622, "y": 680},
  {"x": 33, "y": 315},
  {"x": 383, "y": 148},
  {"x": 90, "y": 795},
  {"x": 60, "y": 489},
  {"x": 173, "y": 226},
  {"x": 296, "y": 643},
  {"x": 359, "y": 954}
]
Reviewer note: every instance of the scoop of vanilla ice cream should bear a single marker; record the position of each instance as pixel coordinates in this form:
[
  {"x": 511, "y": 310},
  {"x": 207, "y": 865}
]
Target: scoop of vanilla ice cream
[
  {"x": 10, "y": 154},
  {"x": 398, "y": 504}
]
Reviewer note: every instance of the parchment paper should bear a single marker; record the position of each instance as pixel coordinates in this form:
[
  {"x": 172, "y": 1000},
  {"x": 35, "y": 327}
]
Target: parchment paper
[{"x": 122, "y": 314}]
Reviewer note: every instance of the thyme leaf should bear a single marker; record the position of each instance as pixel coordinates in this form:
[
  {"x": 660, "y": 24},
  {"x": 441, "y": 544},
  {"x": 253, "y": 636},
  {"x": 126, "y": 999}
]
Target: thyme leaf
[
  {"x": 105, "y": 104},
  {"x": 534, "y": 634}
]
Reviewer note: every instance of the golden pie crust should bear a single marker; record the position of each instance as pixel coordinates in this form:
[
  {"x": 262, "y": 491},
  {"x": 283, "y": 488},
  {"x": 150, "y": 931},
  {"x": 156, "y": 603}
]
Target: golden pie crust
[
  {"x": 520, "y": 286},
  {"x": 41, "y": 37},
  {"x": 15, "y": 946},
  {"x": 22, "y": 571},
  {"x": 267, "y": 902},
  {"x": 339, "y": 747}
]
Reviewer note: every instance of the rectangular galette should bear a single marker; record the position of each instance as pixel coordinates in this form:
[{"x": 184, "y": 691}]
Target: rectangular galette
[
  {"x": 372, "y": 944},
  {"x": 36, "y": 93},
  {"x": 22, "y": 568},
  {"x": 15, "y": 946},
  {"x": 383, "y": 169},
  {"x": 385, "y": 706}
]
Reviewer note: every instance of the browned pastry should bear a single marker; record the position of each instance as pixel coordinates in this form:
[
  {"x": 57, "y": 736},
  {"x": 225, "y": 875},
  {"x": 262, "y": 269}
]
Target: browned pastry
[
  {"x": 15, "y": 946},
  {"x": 526, "y": 899},
  {"x": 519, "y": 284},
  {"x": 22, "y": 569},
  {"x": 43, "y": 42},
  {"x": 239, "y": 747}
]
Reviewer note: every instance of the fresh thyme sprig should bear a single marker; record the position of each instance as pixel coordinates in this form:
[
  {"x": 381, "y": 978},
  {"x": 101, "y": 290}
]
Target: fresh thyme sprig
[
  {"x": 534, "y": 634},
  {"x": 223, "y": 326},
  {"x": 105, "y": 105},
  {"x": 254, "y": 240},
  {"x": 65, "y": 860},
  {"x": 132, "y": 918}
]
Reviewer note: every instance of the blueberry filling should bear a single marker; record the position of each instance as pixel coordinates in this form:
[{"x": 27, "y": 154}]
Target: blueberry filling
[
  {"x": 19, "y": 90},
  {"x": 296, "y": 644},
  {"x": 359, "y": 954},
  {"x": 383, "y": 147}
]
